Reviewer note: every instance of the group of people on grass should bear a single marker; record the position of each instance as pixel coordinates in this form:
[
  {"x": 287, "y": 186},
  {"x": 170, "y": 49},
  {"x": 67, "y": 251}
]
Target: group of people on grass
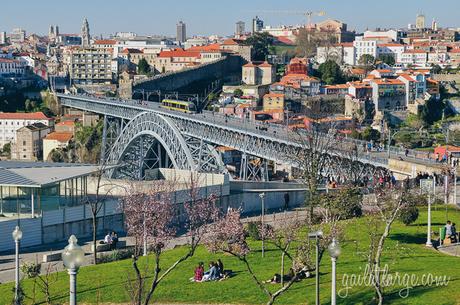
[
  {"x": 111, "y": 239},
  {"x": 449, "y": 233},
  {"x": 215, "y": 272}
]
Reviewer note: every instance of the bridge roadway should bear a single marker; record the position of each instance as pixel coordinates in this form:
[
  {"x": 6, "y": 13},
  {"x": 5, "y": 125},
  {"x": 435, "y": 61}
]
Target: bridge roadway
[{"x": 268, "y": 141}]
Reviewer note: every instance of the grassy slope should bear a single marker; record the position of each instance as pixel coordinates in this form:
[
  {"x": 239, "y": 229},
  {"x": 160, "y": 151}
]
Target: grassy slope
[{"x": 405, "y": 253}]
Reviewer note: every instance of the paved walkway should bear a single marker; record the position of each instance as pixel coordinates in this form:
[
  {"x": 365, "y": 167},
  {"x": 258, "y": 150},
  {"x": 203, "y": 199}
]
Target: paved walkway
[
  {"x": 35, "y": 254},
  {"x": 453, "y": 250}
]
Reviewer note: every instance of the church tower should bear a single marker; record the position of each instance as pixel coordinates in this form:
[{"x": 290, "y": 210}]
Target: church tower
[{"x": 85, "y": 35}]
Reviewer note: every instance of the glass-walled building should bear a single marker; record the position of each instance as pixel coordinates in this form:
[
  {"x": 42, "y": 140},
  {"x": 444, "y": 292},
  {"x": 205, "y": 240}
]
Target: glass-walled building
[{"x": 29, "y": 188}]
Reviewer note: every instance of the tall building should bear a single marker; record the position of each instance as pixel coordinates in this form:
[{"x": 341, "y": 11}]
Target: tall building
[
  {"x": 434, "y": 25},
  {"x": 85, "y": 34},
  {"x": 420, "y": 21},
  {"x": 56, "y": 30},
  {"x": 240, "y": 28},
  {"x": 257, "y": 25},
  {"x": 18, "y": 35},
  {"x": 91, "y": 66},
  {"x": 3, "y": 37},
  {"x": 181, "y": 32}
]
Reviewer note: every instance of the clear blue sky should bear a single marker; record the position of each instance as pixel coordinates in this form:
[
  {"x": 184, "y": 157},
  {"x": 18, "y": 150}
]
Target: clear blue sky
[{"x": 212, "y": 16}]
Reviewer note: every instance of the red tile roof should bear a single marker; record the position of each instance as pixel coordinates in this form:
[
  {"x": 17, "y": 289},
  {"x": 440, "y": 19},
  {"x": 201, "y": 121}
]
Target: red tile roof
[
  {"x": 210, "y": 47},
  {"x": 274, "y": 95},
  {"x": 66, "y": 123},
  {"x": 63, "y": 137},
  {"x": 179, "y": 53},
  {"x": 105, "y": 41},
  {"x": 388, "y": 81},
  {"x": 24, "y": 116},
  {"x": 232, "y": 42},
  {"x": 8, "y": 61}
]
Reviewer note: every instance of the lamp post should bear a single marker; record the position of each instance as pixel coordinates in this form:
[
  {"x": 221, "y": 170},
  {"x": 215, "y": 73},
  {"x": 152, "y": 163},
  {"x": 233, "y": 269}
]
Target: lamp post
[
  {"x": 17, "y": 236},
  {"x": 72, "y": 257},
  {"x": 316, "y": 235},
  {"x": 262, "y": 198},
  {"x": 334, "y": 252},
  {"x": 427, "y": 186}
]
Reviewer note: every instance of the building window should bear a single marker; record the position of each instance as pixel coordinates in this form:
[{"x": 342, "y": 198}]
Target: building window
[{"x": 23, "y": 143}]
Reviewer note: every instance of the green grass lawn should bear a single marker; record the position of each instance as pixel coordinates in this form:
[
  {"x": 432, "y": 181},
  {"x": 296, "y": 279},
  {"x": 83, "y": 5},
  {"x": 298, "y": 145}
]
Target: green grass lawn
[{"x": 405, "y": 253}]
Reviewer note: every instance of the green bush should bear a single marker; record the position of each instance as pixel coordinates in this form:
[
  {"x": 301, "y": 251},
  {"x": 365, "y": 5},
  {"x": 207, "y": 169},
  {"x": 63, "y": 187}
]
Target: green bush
[
  {"x": 409, "y": 215},
  {"x": 31, "y": 270},
  {"x": 116, "y": 255},
  {"x": 252, "y": 229}
]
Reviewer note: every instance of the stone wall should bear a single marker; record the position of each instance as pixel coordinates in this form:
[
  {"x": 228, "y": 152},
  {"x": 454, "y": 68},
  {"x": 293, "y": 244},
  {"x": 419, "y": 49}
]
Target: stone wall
[
  {"x": 447, "y": 77},
  {"x": 176, "y": 80}
]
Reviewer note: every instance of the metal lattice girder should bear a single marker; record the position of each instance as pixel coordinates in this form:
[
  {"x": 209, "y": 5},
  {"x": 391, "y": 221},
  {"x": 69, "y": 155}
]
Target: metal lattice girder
[
  {"x": 215, "y": 131},
  {"x": 140, "y": 134},
  {"x": 205, "y": 156}
]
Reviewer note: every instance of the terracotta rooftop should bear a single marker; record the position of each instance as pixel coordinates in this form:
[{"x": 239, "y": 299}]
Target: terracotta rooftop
[
  {"x": 62, "y": 137},
  {"x": 24, "y": 116},
  {"x": 105, "y": 41},
  {"x": 179, "y": 53}
]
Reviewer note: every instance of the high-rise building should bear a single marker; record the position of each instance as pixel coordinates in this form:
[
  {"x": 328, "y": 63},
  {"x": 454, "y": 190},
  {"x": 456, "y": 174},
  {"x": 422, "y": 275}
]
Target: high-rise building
[
  {"x": 257, "y": 25},
  {"x": 91, "y": 66},
  {"x": 3, "y": 37},
  {"x": 240, "y": 28},
  {"x": 18, "y": 35},
  {"x": 85, "y": 34},
  {"x": 420, "y": 21},
  {"x": 434, "y": 25},
  {"x": 181, "y": 35}
]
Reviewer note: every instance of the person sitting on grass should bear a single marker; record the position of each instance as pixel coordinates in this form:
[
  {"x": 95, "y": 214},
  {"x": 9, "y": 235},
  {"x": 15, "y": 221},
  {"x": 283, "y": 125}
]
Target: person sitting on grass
[
  {"x": 220, "y": 268},
  {"x": 211, "y": 274},
  {"x": 199, "y": 272}
]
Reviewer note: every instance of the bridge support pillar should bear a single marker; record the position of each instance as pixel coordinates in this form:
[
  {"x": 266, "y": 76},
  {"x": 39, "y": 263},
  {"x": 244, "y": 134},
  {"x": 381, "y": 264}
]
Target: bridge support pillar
[{"x": 253, "y": 168}]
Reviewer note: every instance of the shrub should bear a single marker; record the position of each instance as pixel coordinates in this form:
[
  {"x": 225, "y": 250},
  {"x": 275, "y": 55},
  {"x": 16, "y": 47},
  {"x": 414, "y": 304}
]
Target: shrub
[
  {"x": 409, "y": 215},
  {"x": 31, "y": 270},
  {"x": 116, "y": 255},
  {"x": 252, "y": 229}
]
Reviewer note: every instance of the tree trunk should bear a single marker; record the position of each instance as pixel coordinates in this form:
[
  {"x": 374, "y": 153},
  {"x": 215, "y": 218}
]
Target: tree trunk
[
  {"x": 140, "y": 283},
  {"x": 94, "y": 223}
]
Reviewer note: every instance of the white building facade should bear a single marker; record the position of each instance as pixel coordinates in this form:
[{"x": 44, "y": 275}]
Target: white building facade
[{"x": 11, "y": 122}]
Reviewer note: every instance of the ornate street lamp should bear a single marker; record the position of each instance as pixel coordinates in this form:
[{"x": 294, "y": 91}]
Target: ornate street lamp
[
  {"x": 334, "y": 252},
  {"x": 73, "y": 257},
  {"x": 17, "y": 236}
]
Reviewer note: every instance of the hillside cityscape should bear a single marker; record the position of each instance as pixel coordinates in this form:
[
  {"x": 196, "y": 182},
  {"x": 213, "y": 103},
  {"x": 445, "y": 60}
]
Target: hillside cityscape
[{"x": 303, "y": 163}]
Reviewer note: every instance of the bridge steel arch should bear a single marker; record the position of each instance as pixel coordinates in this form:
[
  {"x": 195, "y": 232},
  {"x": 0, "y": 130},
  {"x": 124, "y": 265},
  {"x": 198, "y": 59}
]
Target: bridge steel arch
[{"x": 163, "y": 130}]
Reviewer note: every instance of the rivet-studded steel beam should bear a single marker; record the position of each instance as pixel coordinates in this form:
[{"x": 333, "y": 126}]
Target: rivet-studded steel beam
[{"x": 201, "y": 132}]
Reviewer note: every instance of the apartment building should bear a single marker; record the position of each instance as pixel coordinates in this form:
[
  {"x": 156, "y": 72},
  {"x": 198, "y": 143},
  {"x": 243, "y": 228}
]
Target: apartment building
[
  {"x": 91, "y": 66},
  {"x": 388, "y": 94},
  {"x": 12, "y": 67},
  {"x": 414, "y": 57}
]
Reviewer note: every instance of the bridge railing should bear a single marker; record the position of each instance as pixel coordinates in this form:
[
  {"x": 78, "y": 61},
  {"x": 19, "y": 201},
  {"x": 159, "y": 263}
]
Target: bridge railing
[{"x": 263, "y": 129}]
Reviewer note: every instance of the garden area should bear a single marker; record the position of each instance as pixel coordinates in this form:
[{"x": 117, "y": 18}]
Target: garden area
[{"x": 405, "y": 253}]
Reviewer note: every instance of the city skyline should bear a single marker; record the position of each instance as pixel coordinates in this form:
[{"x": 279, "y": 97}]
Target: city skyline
[{"x": 142, "y": 18}]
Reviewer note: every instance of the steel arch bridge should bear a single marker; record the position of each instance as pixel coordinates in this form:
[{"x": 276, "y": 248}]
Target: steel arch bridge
[{"x": 141, "y": 136}]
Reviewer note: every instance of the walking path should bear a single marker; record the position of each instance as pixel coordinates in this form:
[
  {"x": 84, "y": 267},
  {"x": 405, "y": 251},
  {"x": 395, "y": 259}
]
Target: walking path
[
  {"x": 453, "y": 250},
  {"x": 35, "y": 254}
]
